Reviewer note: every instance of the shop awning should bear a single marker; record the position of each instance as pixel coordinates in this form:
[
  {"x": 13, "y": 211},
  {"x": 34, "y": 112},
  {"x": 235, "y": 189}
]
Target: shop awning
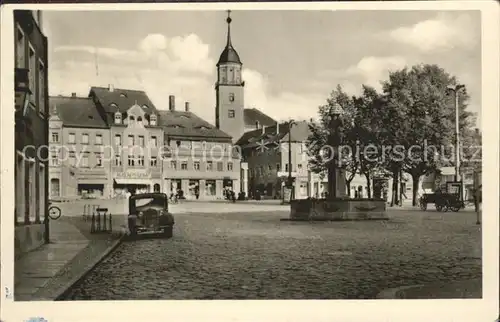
[{"x": 133, "y": 181}]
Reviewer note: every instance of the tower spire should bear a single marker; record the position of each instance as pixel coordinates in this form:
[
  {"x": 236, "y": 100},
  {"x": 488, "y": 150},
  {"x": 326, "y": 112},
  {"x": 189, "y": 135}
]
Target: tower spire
[{"x": 228, "y": 20}]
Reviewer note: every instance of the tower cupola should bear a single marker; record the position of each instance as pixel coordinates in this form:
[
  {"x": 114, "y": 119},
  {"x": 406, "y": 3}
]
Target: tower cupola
[{"x": 229, "y": 54}]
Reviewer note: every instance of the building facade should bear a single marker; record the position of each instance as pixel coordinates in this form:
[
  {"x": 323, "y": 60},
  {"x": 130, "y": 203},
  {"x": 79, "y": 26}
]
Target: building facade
[
  {"x": 198, "y": 158},
  {"x": 115, "y": 141},
  {"x": 31, "y": 130},
  {"x": 266, "y": 152}
]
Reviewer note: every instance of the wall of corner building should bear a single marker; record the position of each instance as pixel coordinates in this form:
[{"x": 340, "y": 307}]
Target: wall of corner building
[{"x": 191, "y": 155}]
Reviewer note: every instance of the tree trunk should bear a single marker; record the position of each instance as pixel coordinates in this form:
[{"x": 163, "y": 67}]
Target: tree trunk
[
  {"x": 368, "y": 185},
  {"x": 395, "y": 183},
  {"x": 416, "y": 180}
]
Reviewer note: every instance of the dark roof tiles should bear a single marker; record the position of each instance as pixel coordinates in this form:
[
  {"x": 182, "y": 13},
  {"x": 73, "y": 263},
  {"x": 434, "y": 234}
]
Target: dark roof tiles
[
  {"x": 252, "y": 115},
  {"x": 122, "y": 99},
  {"x": 300, "y": 132},
  {"x": 186, "y": 124},
  {"x": 229, "y": 55},
  {"x": 77, "y": 111}
]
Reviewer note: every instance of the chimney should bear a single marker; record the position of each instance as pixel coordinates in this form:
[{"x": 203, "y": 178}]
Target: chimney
[
  {"x": 277, "y": 127},
  {"x": 263, "y": 129},
  {"x": 111, "y": 88},
  {"x": 171, "y": 103},
  {"x": 186, "y": 106},
  {"x": 73, "y": 94},
  {"x": 257, "y": 124}
]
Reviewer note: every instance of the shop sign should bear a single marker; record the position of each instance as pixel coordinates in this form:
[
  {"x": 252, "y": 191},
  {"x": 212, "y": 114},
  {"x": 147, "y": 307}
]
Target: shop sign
[{"x": 134, "y": 174}]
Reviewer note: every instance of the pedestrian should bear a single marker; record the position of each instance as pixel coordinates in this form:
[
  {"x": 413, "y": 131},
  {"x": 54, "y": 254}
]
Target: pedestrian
[{"x": 233, "y": 195}]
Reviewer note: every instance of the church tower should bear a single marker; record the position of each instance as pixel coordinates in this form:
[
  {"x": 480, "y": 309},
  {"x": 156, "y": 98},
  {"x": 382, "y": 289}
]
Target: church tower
[{"x": 229, "y": 90}]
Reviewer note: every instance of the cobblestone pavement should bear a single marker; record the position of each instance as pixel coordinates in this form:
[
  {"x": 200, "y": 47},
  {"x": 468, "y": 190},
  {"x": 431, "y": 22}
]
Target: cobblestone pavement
[{"x": 256, "y": 256}]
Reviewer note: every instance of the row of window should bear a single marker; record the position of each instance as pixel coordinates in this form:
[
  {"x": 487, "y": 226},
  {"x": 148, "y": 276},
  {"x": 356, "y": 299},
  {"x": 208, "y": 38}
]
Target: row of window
[
  {"x": 137, "y": 161},
  {"x": 209, "y": 166},
  {"x": 140, "y": 141},
  {"x": 26, "y": 58},
  {"x": 153, "y": 140},
  {"x": 98, "y": 139},
  {"x": 132, "y": 119},
  {"x": 230, "y": 75}
]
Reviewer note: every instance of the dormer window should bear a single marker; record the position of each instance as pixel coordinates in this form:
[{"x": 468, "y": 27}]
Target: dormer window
[
  {"x": 113, "y": 105},
  {"x": 118, "y": 118},
  {"x": 144, "y": 106},
  {"x": 123, "y": 95},
  {"x": 152, "y": 119}
]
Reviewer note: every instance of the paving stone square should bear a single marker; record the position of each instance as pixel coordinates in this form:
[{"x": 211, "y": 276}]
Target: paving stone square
[{"x": 254, "y": 255}]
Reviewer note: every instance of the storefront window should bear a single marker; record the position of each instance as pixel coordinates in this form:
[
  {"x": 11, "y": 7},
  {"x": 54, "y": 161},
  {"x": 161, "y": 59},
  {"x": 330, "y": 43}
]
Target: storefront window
[
  {"x": 194, "y": 188},
  {"x": 210, "y": 187}
]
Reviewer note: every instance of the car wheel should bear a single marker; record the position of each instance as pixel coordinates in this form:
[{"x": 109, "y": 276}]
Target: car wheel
[{"x": 168, "y": 232}]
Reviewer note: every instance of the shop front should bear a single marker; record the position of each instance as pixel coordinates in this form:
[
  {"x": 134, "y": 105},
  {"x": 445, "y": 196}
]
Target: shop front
[{"x": 134, "y": 181}]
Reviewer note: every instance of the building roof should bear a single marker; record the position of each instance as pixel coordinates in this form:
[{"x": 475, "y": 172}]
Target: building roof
[
  {"x": 122, "y": 98},
  {"x": 299, "y": 133},
  {"x": 229, "y": 55},
  {"x": 182, "y": 124},
  {"x": 252, "y": 115},
  {"x": 77, "y": 111}
]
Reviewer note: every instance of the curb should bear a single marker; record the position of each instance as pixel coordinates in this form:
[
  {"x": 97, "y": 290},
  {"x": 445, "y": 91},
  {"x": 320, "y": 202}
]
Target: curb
[
  {"x": 63, "y": 290},
  {"x": 394, "y": 293}
]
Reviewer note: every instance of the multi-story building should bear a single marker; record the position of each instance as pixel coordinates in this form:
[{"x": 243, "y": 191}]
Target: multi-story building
[
  {"x": 115, "y": 141},
  {"x": 266, "y": 151},
  {"x": 198, "y": 158},
  {"x": 79, "y": 157},
  {"x": 31, "y": 128},
  {"x": 105, "y": 144}
]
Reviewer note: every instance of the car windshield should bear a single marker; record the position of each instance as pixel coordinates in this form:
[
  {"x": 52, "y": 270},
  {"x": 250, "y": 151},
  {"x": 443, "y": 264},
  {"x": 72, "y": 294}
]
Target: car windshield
[{"x": 150, "y": 202}]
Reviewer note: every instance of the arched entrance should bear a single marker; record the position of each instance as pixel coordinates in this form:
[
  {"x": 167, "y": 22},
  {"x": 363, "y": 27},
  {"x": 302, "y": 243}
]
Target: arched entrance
[{"x": 156, "y": 187}]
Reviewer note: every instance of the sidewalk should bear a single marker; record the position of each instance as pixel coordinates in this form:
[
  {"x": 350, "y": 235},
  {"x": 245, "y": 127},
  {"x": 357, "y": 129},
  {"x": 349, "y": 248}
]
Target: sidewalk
[
  {"x": 45, "y": 273},
  {"x": 468, "y": 289}
]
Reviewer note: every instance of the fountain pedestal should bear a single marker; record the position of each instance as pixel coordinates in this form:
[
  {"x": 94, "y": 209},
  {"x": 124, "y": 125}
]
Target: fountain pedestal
[{"x": 338, "y": 209}]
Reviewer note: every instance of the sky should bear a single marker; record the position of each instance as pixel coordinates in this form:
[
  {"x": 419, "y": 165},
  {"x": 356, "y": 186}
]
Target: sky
[{"x": 292, "y": 60}]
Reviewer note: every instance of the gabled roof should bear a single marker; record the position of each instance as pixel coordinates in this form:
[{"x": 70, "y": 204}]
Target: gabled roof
[
  {"x": 77, "y": 112},
  {"x": 252, "y": 115},
  {"x": 300, "y": 132},
  {"x": 181, "y": 124},
  {"x": 121, "y": 100}
]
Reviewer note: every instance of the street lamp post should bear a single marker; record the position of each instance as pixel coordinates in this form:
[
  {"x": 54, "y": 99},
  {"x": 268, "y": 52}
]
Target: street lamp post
[
  {"x": 334, "y": 142},
  {"x": 456, "y": 89},
  {"x": 291, "y": 123}
]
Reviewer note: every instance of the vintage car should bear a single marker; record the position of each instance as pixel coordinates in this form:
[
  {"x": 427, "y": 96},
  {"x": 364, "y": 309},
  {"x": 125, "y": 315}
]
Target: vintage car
[{"x": 148, "y": 214}]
